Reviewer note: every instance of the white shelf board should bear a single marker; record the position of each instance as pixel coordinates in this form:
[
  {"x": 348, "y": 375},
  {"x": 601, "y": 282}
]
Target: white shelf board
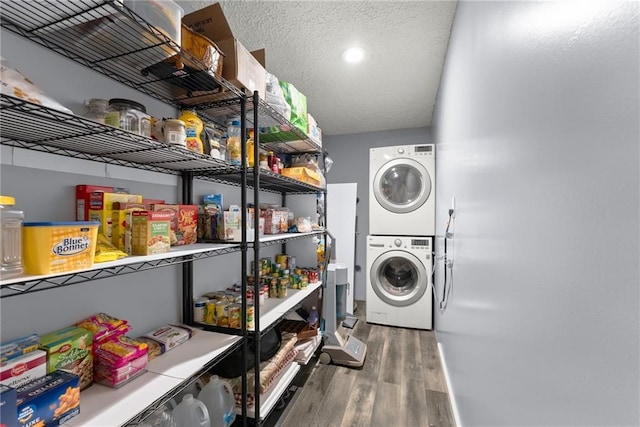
[
  {"x": 275, "y": 308},
  {"x": 104, "y": 406},
  {"x": 271, "y": 237},
  {"x": 133, "y": 259},
  {"x": 184, "y": 361},
  {"x": 270, "y": 398}
]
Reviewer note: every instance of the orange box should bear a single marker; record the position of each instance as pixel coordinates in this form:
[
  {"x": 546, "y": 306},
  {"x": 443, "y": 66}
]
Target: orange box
[
  {"x": 184, "y": 223},
  {"x": 150, "y": 232}
]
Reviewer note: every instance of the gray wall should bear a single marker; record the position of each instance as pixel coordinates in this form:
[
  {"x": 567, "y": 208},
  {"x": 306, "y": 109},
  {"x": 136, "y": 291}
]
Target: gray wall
[
  {"x": 537, "y": 138},
  {"x": 350, "y": 154}
]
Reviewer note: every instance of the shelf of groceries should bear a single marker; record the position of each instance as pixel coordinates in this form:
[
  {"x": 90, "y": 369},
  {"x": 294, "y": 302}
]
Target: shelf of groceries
[
  {"x": 105, "y": 406},
  {"x": 137, "y": 46},
  {"x": 26, "y": 283},
  {"x": 56, "y": 132}
]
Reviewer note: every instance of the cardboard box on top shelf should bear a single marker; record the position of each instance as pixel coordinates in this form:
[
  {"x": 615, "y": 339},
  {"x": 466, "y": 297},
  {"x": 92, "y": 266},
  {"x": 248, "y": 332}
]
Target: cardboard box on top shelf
[
  {"x": 242, "y": 68},
  {"x": 313, "y": 131}
]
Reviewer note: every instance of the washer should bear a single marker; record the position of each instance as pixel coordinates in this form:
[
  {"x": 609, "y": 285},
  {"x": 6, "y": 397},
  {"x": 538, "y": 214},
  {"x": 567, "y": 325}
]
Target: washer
[
  {"x": 402, "y": 190},
  {"x": 399, "y": 275}
]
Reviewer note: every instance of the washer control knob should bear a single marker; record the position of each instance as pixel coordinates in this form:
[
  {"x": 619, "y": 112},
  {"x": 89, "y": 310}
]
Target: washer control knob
[
  {"x": 401, "y": 150},
  {"x": 397, "y": 242}
]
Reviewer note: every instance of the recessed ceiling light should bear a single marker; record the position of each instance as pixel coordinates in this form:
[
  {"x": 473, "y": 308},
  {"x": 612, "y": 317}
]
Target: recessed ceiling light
[{"x": 353, "y": 54}]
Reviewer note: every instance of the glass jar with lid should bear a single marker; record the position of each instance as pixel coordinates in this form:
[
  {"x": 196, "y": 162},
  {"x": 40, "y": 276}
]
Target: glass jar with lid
[
  {"x": 175, "y": 132},
  {"x": 10, "y": 238},
  {"x": 128, "y": 115},
  {"x": 96, "y": 109}
]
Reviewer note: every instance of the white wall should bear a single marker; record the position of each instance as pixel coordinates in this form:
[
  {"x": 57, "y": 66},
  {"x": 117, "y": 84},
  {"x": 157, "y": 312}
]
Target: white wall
[
  {"x": 350, "y": 154},
  {"x": 538, "y": 139}
]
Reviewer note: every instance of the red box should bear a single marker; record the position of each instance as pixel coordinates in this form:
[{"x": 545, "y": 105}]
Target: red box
[
  {"x": 184, "y": 223},
  {"x": 82, "y": 199}
]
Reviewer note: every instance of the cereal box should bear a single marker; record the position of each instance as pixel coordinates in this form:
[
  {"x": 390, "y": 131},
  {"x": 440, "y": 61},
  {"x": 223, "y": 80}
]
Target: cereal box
[
  {"x": 21, "y": 370},
  {"x": 83, "y": 192},
  {"x": 101, "y": 208},
  {"x": 150, "y": 232},
  {"x": 184, "y": 223},
  {"x": 8, "y": 407},
  {"x": 120, "y": 225},
  {"x": 48, "y": 401},
  {"x": 71, "y": 350}
]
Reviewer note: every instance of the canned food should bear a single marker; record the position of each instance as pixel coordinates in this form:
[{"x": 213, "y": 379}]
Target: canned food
[
  {"x": 222, "y": 313},
  {"x": 235, "y": 316},
  {"x": 262, "y": 296},
  {"x": 250, "y": 316},
  {"x": 210, "y": 312},
  {"x": 273, "y": 288},
  {"x": 304, "y": 282},
  {"x": 282, "y": 260},
  {"x": 313, "y": 275},
  {"x": 265, "y": 291},
  {"x": 199, "y": 309}
]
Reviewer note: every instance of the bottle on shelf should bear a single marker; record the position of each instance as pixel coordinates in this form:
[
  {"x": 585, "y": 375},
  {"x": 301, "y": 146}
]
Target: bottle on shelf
[
  {"x": 250, "y": 149},
  {"x": 193, "y": 126},
  {"x": 312, "y": 320},
  {"x": 191, "y": 412},
  {"x": 217, "y": 395},
  {"x": 272, "y": 161},
  {"x": 264, "y": 164},
  {"x": 11, "y": 238},
  {"x": 233, "y": 142}
]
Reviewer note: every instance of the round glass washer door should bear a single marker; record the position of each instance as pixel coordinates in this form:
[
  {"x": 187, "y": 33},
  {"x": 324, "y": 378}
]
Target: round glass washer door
[
  {"x": 402, "y": 185},
  {"x": 398, "y": 278}
]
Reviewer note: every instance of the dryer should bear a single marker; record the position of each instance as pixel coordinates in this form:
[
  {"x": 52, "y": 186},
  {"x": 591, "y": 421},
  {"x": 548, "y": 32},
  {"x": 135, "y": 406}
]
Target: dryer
[
  {"x": 399, "y": 277},
  {"x": 402, "y": 190}
]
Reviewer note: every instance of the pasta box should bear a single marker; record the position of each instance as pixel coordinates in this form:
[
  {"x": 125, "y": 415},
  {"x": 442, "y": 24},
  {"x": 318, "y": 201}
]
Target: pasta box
[
  {"x": 120, "y": 226},
  {"x": 48, "y": 401},
  {"x": 21, "y": 370},
  {"x": 16, "y": 348},
  {"x": 101, "y": 208},
  {"x": 150, "y": 232},
  {"x": 184, "y": 222}
]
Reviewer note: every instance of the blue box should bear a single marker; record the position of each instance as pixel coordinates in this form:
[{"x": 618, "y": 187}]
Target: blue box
[
  {"x": 20, "y": 347},
  {"x": 8, "y": 409},
  {"x": 50, "y": 401}
]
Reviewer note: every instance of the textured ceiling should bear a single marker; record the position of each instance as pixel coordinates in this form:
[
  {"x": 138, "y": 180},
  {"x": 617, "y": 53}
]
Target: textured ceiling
[{"x": 396, "y": 84}]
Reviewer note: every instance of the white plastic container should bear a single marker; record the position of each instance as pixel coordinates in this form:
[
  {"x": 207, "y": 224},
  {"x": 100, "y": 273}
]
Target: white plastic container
[
  {"x": 218, "y": 397},
  {"x": 164, "y": 15},
  {"x": 10, "y": 238},
  {"x": 191, "y": 412}
]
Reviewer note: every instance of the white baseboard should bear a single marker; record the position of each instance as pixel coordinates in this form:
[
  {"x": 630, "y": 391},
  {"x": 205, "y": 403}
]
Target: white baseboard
[{"x": 451, "y": 394}]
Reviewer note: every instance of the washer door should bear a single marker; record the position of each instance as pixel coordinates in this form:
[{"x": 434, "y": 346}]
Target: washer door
[
  {"x": 398, "y": 278},
  {"x": 402, "y": 185}
]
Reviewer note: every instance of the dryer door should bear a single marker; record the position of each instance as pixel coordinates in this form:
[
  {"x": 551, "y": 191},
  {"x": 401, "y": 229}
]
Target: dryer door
[
  {"x": 402, "y": 185},
  {"x": 398, "y": 278}
]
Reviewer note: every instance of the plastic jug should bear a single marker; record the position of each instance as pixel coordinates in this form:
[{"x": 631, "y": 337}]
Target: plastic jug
[
  {"x": 191, "y": 412},
  {"x": 218, "y": 397}
]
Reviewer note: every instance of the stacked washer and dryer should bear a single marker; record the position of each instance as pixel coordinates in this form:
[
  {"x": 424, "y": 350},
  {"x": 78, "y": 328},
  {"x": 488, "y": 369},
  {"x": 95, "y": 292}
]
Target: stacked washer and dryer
[{"x": 401, "y": 231}]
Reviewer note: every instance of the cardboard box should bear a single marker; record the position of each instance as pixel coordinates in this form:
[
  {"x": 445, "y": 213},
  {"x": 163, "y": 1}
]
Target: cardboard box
[
  {"x": 120, "y": 227},
  {"x": 82, "y": 199},
  {"x": 275, "y": 220},
  {"x": 303, "y": 174},
  {"x": 313, "y": 131},
  {"x": 49, "y": 401},
  {"x": 240, "y": 67},
  {"x": 8, "y": 407},
  {"x": 101, "y": 208},
  {"x": 150, "y": 232},
  {"x": 21, "y": 370},
  {"x": 17, "y": 348},
  {"x": 184, "y": 223},
  {"x": 70, "y": 350}
]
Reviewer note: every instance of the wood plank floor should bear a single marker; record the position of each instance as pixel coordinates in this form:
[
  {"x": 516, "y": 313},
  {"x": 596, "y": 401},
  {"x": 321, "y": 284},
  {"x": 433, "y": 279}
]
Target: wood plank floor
[{"x": 401, "y": 384}]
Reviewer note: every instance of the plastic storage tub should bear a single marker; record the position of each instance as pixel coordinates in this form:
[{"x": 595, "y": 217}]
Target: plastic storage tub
[
  {"x": 164, "y": 15},
  {"x": 55, "y": 247}
]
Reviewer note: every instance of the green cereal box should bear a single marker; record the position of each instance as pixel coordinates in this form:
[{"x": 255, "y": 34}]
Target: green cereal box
[
  {"x": 70, "y": 350},
  {"x": 150, "y": 232}
]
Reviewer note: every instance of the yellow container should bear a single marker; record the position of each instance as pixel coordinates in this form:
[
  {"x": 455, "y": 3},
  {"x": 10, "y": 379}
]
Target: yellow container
[{"x": 56, "y": 247}]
